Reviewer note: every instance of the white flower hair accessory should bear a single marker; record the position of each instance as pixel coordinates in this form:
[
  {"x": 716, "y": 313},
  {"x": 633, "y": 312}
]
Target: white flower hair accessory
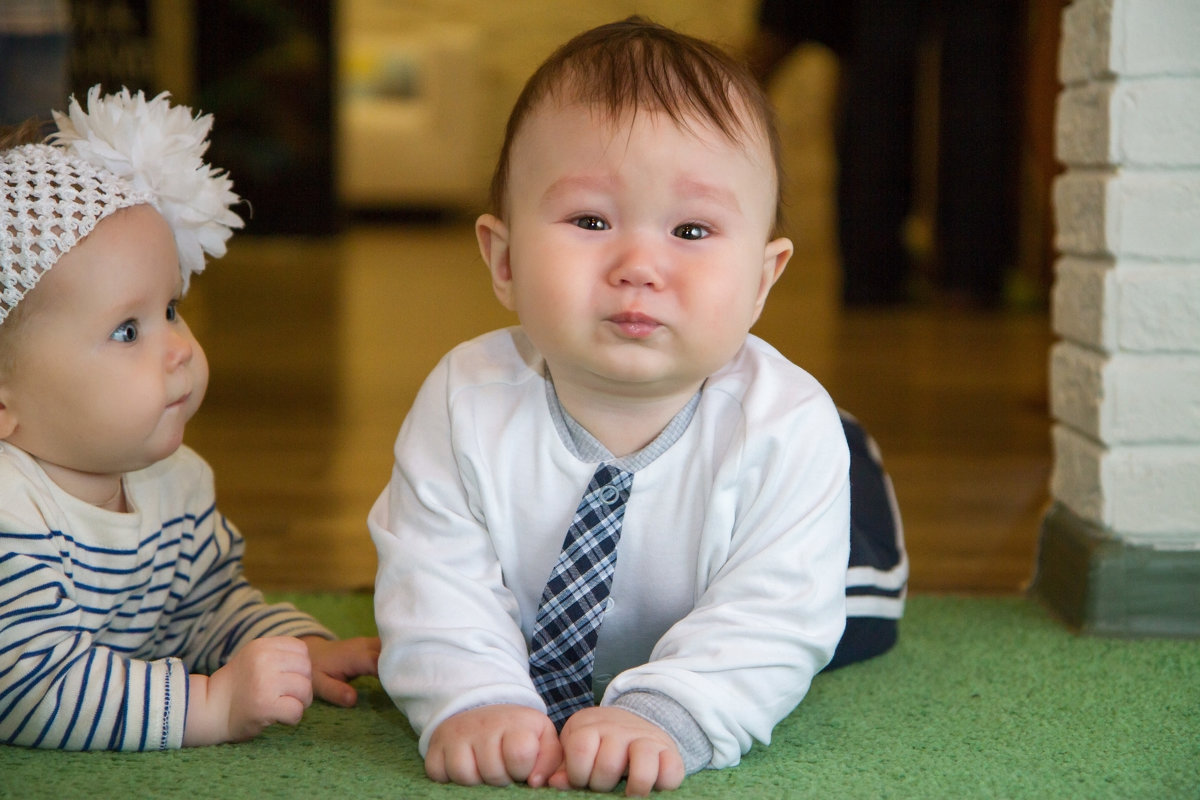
[
  {"x": 123, "y": 151},
  {"x": 158, "y": 148}
]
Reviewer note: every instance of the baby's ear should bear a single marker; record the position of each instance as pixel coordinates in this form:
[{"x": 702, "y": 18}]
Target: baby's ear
[
  {"x": 8, "y": 419},
  {"x": 775, "y": 258},
  {"x": 492, "y": 234}
]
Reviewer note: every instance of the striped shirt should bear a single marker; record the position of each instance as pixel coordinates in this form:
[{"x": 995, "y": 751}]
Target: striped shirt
[{"x": 103, "y": 615}]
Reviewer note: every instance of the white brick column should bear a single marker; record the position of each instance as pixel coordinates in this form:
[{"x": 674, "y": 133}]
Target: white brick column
[{"x": 1120, "y": 548}]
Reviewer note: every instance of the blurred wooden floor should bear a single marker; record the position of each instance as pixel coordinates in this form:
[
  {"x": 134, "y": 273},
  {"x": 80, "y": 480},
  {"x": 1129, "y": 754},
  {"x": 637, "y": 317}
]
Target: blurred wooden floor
[{"x": 318, "y": 347}]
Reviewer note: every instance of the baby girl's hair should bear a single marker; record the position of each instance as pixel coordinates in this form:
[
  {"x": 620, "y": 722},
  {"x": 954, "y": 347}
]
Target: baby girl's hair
[
  {"x": 27, "y": 132},
  {"x": 627, "y": 66}
]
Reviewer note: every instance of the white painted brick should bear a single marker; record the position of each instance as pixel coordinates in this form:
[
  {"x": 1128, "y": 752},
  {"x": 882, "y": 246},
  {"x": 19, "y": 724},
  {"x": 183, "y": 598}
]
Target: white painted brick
[
  {"x": 1157, "y": 308},
  {"x": 1080, "y": 209},
  {"x": 1083, "y": 126},
  {"x": 1155, "y": 398},
  {"x": 1129, "y": 37},
  {"x": 1125, "y": 382},
  {"x": 1126, "y": 398},
  {"x": 1142, "y": 123},
  {"x": 1129, "y": 306},
  {"x": 1082, "y": 301},
  {"x": 1156, "y": 122},
  {"x": 1086, "y": 33},
  {"x": 1152, "y": 490},
  {"x": 1075, "y": 478},
  {"x": 1155, "y": 37},
  {"x": 1077, "y": 387},
  {"x": 1153, "y": 215},
  {"x": 1144, "y": 492}
]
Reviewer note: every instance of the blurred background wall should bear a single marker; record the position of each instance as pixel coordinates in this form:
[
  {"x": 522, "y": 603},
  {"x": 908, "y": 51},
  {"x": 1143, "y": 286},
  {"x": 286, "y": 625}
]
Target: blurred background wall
[{"x": 329, "y": 108}]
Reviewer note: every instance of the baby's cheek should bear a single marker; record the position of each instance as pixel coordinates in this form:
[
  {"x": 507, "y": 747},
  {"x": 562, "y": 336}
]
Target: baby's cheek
[{"x": 199, "y": 378}]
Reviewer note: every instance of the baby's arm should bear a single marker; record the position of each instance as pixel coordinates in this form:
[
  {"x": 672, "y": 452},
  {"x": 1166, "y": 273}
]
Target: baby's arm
[
  {"x": 772, "y": 605},
  {"x": 271, "y": 678},
  {"x": 449, "y": 624},
  {"x": 237, "y": 615},
  {"x": 602, "y": 745},
  {"x": 266, "y": 681},
  {"x": 496, "y": 745},
  {"x": 60, "y": 689}
]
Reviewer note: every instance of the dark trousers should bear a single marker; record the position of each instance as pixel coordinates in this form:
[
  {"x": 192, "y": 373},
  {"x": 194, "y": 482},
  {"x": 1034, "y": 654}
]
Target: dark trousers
[
  {"x": 876, "y": 546},
  {"x": 877, "y": 43}
]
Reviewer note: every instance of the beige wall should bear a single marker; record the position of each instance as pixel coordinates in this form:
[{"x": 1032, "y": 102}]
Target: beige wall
[
  {"x": 518, "y": 34},
  {"x": 514, "y": 37}
]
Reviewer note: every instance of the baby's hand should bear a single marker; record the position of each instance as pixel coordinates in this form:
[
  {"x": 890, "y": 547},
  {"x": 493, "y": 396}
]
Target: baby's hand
[
  {"x": 495, "y": 745},
  {"x": 600, "y": 745},
  {"x": 334, "y": 662},
  {"x": 267, "y": 681}
]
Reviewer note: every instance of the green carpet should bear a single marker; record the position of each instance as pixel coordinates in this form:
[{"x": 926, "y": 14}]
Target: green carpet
[{"x": 982, "y": 698}]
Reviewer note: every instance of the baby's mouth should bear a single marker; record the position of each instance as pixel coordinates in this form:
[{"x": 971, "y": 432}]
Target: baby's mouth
[{"x": 635, "y": 325}]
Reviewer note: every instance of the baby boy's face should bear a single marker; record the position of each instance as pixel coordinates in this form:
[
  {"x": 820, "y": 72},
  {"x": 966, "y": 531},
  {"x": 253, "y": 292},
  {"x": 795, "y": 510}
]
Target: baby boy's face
[{"x": 636, "y": 252}]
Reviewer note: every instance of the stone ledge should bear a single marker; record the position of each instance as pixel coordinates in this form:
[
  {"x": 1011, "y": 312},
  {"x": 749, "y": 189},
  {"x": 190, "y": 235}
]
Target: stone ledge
[{"x": 1102, "y": 585}]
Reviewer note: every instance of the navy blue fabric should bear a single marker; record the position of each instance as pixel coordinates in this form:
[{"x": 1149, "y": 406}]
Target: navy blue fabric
[
  {"x": 875, "y": 541},
  {"x": 865, "y": 637}
]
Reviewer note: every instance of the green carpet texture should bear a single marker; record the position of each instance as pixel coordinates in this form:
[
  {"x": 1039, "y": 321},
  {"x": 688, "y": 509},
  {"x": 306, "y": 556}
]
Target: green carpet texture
[{"x": 982, "y": 698}]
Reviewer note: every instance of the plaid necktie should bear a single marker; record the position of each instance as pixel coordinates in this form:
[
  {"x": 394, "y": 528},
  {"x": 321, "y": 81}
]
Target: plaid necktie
[{"x": 575, "y": 598}]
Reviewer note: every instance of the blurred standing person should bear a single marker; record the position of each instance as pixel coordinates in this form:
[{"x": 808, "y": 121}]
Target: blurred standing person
[{"x": 877, "y": 43}]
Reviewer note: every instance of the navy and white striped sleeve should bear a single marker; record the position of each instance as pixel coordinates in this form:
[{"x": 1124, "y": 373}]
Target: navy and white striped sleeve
[
  {"x": 222, "y": 609},
  {"x": 58, "y": 688}
]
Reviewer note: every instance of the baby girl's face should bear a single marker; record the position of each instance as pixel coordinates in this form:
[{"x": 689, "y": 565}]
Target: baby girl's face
[{"x": 106, "y": 373}]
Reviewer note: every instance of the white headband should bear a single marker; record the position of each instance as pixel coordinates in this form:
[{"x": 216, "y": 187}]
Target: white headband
[{"x": 123, "y": 151}]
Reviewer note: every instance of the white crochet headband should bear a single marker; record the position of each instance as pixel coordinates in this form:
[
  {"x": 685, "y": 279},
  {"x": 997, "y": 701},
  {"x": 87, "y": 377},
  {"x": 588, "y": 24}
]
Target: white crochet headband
[{"x": 125, "y": 150}]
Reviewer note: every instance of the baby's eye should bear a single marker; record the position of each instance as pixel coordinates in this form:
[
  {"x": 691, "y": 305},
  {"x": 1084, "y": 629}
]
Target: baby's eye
[
  {"x": 690, "y": 230},
  {"x": 127, "y": 331},
  {"x": 591, "y": 223},
  {"x": 173, "y": 311}
]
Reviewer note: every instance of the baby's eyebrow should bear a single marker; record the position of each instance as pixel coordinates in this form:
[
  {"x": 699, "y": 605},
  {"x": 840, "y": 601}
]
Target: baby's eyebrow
[
  {"x": 697, "y": 189},
  {"x": 572, "y": 183},
  {"x": 684, "y": 187}
]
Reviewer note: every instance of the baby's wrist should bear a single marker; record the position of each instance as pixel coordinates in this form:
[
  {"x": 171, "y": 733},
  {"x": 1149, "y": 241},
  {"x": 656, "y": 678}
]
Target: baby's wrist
[
  {"x": 693, "y": 744},
  {"x": 205, "y": 724}
]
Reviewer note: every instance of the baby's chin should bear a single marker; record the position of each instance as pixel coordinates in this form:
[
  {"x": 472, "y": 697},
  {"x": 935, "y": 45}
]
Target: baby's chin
[{"x": 161, "y": 446}]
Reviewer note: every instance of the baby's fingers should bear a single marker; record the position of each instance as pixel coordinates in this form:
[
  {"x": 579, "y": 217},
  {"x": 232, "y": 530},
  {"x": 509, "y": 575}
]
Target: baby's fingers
[
  {"x": 289, "y": 710},
  {"x": 452, "y": 763},
  {"x": 460, "y": 763},
  {"x": 652, "y": 767},
  {"x": 295, "y": 695},
  {"x": 519, "y": 753},
  {"x": 549, "y": 760},
  {"x": 581, "y": 750},
  {"x": 332, "y": 690},
  {"x": 490, "y": 763},
  {"x": 531, "y": 756}
]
